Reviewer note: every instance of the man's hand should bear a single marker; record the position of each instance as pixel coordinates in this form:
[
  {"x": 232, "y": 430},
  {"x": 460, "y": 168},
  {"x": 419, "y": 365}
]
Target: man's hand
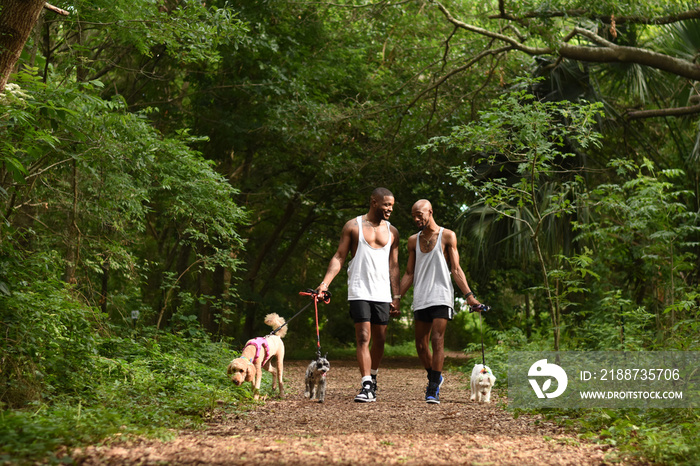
[
  {"x": 322, "y": 288},
  {"x": 471, "y": 299},
  {"x": 395, "y": 307}
]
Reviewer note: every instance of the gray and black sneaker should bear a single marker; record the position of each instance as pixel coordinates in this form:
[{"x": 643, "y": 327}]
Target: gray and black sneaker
[
  {"x": 374, "y": 384},
  {"x": 366, "y": 394}
]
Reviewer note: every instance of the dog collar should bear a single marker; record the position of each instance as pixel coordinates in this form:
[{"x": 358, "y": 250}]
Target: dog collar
[{"x": 485, "y": 371}]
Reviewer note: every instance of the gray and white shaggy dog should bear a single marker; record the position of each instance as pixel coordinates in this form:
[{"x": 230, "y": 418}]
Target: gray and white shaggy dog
[
  {"x": 257, "y": 355},
  {"x": 316, "y": 378}
]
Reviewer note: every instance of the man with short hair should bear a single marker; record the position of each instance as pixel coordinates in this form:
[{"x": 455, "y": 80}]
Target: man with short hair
[
  {"x": 373, "y": 283},
  {"x": 433, "y": 261}
]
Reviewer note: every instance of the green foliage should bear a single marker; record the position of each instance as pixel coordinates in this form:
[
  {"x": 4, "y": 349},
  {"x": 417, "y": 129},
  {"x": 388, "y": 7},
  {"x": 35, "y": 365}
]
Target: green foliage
[
  {"x": 171, "y": 379},
  {"x": 645, "y": 239},
  {"x": 604, "y": 7},
  {"x": 404, "y": 350},
  {"x": 110, "y": 192},
  {"x": 661, "y": 436},
  {"x": 569, "y": 277},
  {"x": 190, "y": 31},
  {"x": 47, "y": 335},
  {"x": 516, "y": 148},
  {"x": 93, "y": 386},
  {"x": 87, "y": 189}
]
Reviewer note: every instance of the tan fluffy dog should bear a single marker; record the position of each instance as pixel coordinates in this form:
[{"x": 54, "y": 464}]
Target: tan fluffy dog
[{"x": 257, "y": 354}]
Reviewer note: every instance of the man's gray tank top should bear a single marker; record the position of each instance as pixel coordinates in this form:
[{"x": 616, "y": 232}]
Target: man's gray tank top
[{"x": 432, "y": 281}]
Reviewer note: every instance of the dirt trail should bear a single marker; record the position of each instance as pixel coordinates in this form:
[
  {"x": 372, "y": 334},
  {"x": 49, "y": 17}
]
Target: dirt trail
[{"x": 399, "y": 428}]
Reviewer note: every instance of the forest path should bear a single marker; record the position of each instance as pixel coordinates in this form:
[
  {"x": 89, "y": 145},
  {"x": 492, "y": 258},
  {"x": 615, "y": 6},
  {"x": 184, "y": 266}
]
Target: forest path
[{"x": 399, "y": 428}]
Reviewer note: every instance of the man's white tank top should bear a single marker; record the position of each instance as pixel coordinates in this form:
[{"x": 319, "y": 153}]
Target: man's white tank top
[
  {"x": 432, "y": 281},
  {"x": 368, "y": 271}
]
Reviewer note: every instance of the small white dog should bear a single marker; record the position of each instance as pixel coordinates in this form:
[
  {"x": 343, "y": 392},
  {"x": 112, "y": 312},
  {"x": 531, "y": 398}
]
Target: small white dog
[
  {"x": 482, "y": 382},
  {"x": 257, "y": 355}
]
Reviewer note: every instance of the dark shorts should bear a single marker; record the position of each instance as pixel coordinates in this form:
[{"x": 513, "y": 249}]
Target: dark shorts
[
  {"x": 370, "y": 311},
  {"x": 434, "y": 312}
]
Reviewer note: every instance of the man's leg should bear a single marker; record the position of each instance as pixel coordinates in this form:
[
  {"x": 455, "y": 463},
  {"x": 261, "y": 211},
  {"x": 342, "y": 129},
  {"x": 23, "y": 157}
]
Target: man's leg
[
  {"x": 422, "y": 331},
  {"x": 378, "y": 340},
  {"x": 364, "y": 360},
  {"x": 362, "y": 337},
  {"x": 437, "y": 341}
]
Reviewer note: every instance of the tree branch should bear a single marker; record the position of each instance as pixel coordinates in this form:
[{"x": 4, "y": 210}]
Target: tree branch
[
  {"x": 591, "y": 35},
  {"x": 606, "y": 53},
  {"x": 624, "y": 54},
  {"x": 664, "y": 112},
  {"x": 494, "y": 35},
  {"x": 459, "y": 69},
  {"x": 607, "y": 19},
  {"x": 56, "y": 9}
]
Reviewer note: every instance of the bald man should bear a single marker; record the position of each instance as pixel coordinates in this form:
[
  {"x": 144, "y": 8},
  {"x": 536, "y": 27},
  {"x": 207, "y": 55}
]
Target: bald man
[{"x": 432, "y": 258}]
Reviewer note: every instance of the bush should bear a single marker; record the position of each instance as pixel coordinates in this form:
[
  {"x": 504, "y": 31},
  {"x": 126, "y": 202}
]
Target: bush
[
  {"x": 70, "y": 378},
  {"x": 48, "y": 337}
]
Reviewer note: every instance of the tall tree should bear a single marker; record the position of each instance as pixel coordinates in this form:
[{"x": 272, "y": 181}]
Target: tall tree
[{"x": 17, "y": 19}]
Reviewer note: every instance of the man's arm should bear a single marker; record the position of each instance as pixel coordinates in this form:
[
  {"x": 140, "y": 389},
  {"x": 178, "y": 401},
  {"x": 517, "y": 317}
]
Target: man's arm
[
  {"x": 457, "y": 273},
  {"x": 407, "y": 279},
  {"x": 394, "y": 272},
  {"x": 338, "y": 259}
]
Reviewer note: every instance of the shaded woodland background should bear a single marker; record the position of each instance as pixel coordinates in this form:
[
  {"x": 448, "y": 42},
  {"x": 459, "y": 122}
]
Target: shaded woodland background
[{"x": 180, "y": 168}]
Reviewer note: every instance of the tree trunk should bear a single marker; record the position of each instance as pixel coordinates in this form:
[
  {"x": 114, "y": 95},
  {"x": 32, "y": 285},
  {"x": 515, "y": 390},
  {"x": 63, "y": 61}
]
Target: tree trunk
[
  {"x": 73, "y": 232},
  {"x": 105, "y": 285},
  {"x": 228, "y": 326},
  {"x": 529, "y": 317},
  {"x": 17, "y": 19}
]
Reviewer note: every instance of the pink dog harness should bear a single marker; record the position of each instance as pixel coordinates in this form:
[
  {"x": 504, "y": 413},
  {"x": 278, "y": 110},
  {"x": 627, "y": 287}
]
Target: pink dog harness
[{"x": 258, "y": 343}]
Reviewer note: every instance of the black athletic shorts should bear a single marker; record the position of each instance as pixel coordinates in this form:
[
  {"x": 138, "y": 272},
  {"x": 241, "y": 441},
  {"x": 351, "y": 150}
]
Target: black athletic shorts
[
  {"x": 370, "y": 311},
  {"x": 434, "y": 312}
]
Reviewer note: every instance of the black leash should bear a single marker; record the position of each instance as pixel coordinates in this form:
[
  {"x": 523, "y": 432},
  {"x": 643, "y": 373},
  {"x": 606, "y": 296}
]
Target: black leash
[
  {"x": 282, "y": 326},
  {"x": 481, "y": 308},
  {"x": 309, "y": 292}
]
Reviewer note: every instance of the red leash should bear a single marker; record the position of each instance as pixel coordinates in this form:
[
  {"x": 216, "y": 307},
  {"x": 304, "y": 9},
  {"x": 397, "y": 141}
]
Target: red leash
[{"x": 326, "y": 297}]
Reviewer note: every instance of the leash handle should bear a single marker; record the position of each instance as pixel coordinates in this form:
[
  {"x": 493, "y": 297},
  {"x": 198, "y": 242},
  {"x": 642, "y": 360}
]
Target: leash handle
[
  {"x": 479, "y": 308},
  {"x": 324, "y": 296}
]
